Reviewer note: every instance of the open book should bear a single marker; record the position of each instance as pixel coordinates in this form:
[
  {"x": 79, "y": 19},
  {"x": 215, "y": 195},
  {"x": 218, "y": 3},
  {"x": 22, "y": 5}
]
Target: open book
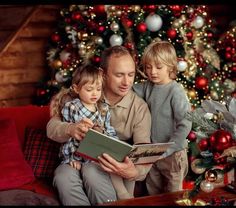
[{"x": 95, "y": 143}]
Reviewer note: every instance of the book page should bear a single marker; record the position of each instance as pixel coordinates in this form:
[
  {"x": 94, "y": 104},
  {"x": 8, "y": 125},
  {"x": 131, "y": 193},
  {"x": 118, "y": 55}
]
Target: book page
[{"x": 148, "y": 153}]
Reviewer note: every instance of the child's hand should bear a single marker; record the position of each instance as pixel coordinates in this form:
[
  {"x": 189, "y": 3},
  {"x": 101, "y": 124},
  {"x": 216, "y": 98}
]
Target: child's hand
[
  {"x": 98, "y": 128},
  {"x": 76, "y": 165}
]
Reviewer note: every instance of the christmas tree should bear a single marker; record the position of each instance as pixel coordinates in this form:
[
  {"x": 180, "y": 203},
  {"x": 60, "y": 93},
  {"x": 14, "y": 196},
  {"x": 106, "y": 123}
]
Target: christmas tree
[
  {"x": 84, "y": 31},
  {"x": 212, "y": 141}
]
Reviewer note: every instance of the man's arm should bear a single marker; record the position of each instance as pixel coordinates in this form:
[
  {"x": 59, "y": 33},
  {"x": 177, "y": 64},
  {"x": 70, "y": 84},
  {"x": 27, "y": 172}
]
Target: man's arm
[{"x": 61, "y": 131}]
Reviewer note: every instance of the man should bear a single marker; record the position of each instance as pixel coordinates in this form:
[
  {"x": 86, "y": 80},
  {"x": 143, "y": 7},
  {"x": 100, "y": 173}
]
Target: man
[{"x": 131, "y": 119}]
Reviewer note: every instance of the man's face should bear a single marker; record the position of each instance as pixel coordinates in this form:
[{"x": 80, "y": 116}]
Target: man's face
[{"x": 120, "y": 76}]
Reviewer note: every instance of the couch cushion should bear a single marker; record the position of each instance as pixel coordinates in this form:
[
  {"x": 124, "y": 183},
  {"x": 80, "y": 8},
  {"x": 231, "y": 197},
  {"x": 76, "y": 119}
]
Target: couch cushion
[
  {"x": 14, "y": 170},
  {"x": 41, "y": 152},
  {"x": 36, "y": 116}
]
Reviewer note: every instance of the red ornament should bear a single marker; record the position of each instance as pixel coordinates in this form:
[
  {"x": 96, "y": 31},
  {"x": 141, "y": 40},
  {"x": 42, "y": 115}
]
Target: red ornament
[
  {"x": 67, "y": 20},
  {"x": 96, "y": 59},
  {"x": 41, "y": 92},
  {"x": 141, "y": 27},
  {"x": 223, "y": 140},
  {"x": 99, "y": 10},
  {"x": 150, "y": 8},
  {"x": 191, "y": 159},
  {"x": 228, "y": 48},
  {"x": 189, "y": 35},
  {"x": 101, "y": 29},
  {"x": 55, "y": 37},
  {"x": 201, "y": 82},
  {"x": 218, "y": 159},
  {"x": 176, "y": 9},
  {"x": 192, "y": 136},
  {"x": 209, "y": 34},
  {"x": 212, "y": 140},
  {"x": 76, "y": 16},
  {"x": 129, "y": 45},
  {"x": 203, "y": 144},
  {"x": 171, "y": 33},
  {"x": 228, "y": 55},
  {"x": 129, "y": 23}
]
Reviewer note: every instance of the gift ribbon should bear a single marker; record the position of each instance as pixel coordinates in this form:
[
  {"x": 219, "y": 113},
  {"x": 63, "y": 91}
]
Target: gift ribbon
[
  {"x": 185, "y": 201},
  {"x": 189, "y": 202}
]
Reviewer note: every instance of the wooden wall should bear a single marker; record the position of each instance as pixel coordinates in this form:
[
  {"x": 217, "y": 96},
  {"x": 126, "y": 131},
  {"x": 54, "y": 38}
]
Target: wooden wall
[{"x": 23, "y": 60}]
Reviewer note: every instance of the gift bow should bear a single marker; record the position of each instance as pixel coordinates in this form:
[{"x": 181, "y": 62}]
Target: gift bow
[
  {"x": 189, "y": 202},
  {"x": 186, "y": 201}
]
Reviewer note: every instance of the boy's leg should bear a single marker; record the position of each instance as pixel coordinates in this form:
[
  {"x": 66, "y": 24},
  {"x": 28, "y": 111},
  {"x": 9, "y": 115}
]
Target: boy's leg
[
  {"x": 167, "y": 174},
  {"x": 154, "y": 180},
  {"x": 177, "y": 172}
]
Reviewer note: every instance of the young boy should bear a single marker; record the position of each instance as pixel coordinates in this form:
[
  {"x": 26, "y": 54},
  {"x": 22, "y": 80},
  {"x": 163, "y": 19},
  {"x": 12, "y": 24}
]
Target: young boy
[{"x": 168, "y": 104}]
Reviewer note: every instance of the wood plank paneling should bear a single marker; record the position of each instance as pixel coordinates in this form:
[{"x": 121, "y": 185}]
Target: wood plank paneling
[
  {"x": 37, "y": 30},
  {"x": 19, "y": 76},
  {"x": 9, "y": 20},
  {"x": 47, "y": 14},
  {"x": 16, "y": 102},
  {"x": 24, "y": 45},
  {"x": 13, "y": 91},
  {"x": 11, "y": 60}
]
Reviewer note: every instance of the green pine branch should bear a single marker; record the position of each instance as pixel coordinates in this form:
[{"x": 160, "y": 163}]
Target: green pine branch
[{"x": 201, "y": 124}]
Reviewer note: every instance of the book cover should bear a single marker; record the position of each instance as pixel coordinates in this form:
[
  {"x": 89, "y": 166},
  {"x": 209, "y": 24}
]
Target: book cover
[{"x": 95, "y": 144}]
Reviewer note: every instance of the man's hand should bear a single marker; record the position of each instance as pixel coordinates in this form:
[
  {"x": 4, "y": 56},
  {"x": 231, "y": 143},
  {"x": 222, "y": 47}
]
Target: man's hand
[
  {"x": 124, "y": 169},
  {"x": 79, "y": 129}
]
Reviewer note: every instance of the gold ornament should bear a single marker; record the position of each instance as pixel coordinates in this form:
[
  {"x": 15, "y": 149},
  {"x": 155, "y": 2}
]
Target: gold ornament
[
  {"x": 118, "y": 13},
  {"x": 98, "y": 40},
  {"x": 211, "y": 175},
  {"x": 82, "y": 35},
  {"x": 81, "y": 45},
  {"x": 195, "y": 166},
  {"x": 56, "y": 64},
  {"x": 192, "y": 93},
  {"x": 82, "y": 52},
  {"x": 136, "y": 8},
  {"x": 112, "y": 8},
  {"x": 72, "y": 8},
  {"x": 176, "y": 24},
  {"x": 214, "y": 95},
  {"x": 114, "y": 26}
]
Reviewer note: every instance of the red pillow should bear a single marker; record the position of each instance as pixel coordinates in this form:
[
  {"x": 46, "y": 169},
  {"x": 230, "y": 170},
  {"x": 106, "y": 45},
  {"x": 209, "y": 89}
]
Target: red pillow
[
  {"x": 14, "y": 170},
  {"x": 41, "y": 152}
]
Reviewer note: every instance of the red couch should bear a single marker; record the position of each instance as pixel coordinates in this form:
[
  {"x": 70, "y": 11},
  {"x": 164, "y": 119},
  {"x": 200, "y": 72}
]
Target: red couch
[
  {"x": 15, "y": 170},
  {"x": 33, "y": 154}
]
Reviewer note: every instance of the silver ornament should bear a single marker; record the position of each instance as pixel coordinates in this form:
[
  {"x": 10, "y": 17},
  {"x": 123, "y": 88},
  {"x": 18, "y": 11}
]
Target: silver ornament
[{"x": 115, "y": 40}]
